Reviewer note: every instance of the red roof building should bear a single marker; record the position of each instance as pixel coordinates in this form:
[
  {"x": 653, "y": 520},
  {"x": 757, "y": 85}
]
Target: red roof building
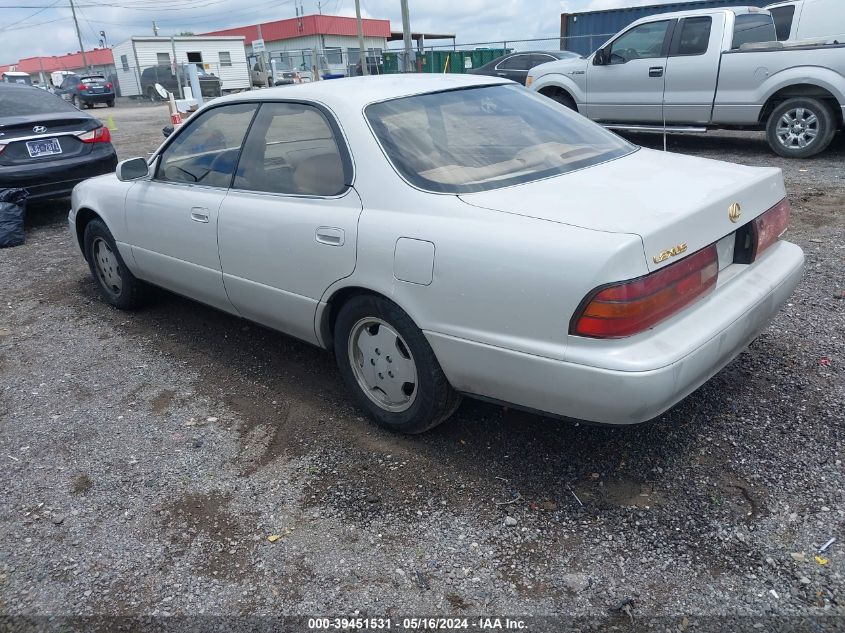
[
  {"x": 309, "y": 25},
  {"x": 98, "y": 57}
]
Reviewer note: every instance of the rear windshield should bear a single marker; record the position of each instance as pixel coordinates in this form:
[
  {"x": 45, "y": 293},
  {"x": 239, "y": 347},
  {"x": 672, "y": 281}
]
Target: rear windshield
[
  {"x": 26, "y": 101},
  {"x": 477, "y": 139},
  {"x": 92, "y": 79},
  {"x": 753, "y": 28}
]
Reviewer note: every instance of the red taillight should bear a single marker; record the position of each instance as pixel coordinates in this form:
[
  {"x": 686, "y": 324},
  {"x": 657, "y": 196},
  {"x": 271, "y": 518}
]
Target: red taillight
[
  {"x": 108, "y": 86},
  {"x": 634, "y": 306},
  {"x": 100, "y": 135},
  {"x": 83, "y": 87},
  {"x": 770, "y": 226}
]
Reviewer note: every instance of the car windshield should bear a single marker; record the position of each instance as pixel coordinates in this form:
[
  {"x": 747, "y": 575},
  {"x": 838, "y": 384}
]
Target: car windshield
[
  {"x": 476, "y": 139},
  {"x": 27, "y": 101}
]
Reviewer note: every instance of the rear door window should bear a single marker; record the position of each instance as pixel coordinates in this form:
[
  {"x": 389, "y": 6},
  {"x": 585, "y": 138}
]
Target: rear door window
[
  {"x": 694, "y": 36},
  {"x": 517, "y": 62},
  {"x": 753, "y": 28},
  {"x": 292, "y": 150},
  {"x": 783, "y": 17}
]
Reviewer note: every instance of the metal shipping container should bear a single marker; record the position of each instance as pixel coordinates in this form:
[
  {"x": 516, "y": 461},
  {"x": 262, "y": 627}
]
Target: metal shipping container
[{"x": 583, "y": 33}]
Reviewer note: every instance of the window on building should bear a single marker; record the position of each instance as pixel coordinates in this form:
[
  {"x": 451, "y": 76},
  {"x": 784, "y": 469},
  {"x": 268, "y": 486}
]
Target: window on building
[
  {"x": 334, "y": 55},
  {"x": 225, "y": 58},
  {"x": 124, "y": 62},
  {"x": 163, "y": 59},
  {"x": 354, "y": 55}
]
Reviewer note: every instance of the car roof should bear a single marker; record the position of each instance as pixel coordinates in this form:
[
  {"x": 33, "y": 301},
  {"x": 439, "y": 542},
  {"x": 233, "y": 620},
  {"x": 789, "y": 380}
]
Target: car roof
[
  {"x": 357, "y": 92},
  {"x": 739, "y": 10}
]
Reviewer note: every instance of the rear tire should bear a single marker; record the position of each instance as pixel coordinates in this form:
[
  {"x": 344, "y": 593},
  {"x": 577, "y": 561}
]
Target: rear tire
[
  {"x": 116, "y": 284},
  {"x": 373, "y": 338},
  {"x": 800, "y": 127}
]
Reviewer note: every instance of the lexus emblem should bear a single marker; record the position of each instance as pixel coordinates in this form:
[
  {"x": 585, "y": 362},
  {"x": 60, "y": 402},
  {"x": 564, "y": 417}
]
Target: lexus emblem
[
  {"x": 39, "y": 129},
  {"x": 735, "y": 212}
]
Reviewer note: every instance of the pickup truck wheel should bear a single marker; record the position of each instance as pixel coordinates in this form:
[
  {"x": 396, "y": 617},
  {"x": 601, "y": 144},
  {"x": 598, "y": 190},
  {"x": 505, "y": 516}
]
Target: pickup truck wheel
[
  {"x": 386, "y": 361},
  {"x": 116, "y": 284},
  {"x": 563, "y": 99},
  {"x": 800, "y": 127}
]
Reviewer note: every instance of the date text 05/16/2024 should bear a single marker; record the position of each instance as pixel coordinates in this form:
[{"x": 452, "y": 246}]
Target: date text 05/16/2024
[{"x": 413, "y": 624}]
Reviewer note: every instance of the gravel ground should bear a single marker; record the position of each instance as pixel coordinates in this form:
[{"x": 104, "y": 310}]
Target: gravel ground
[{"x": 147, "y": 457}]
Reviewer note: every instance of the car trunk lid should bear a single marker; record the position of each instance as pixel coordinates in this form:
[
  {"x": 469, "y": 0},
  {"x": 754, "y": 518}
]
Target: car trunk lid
[
  {"x": 37, "y": 130},
  {"x": 676, "y": 204}
]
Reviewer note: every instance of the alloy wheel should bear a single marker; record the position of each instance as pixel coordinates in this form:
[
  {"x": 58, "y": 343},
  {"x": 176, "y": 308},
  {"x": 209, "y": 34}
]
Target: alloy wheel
[{"x": 798, "y": 128}]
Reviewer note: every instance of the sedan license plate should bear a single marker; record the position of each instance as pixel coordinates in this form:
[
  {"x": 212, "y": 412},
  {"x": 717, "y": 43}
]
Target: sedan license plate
[
  {"x": 96, "y": 89},
  {"x": 43, "y": 147}
]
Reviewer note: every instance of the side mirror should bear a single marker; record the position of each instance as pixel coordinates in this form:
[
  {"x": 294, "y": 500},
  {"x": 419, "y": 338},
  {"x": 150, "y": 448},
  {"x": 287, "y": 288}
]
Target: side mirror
[
  {"x": 131, "y": 169},
  {"x": 601, "y": 57}
]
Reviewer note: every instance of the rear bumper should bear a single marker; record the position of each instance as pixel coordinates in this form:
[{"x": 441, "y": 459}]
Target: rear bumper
[
  {"x": 696, "y": 345},
  {"x": 57, "y": 178},
  {"x": 100, "y": 97}
]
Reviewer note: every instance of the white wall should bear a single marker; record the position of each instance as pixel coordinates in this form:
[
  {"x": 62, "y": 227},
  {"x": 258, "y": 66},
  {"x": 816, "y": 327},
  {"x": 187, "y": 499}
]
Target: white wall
[
  {"x": 344, "y": 42},
  {"x": 234, "y": 77},
  {"x": 126, "y": 79}
]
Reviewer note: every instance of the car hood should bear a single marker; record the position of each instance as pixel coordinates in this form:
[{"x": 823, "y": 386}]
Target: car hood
[{"x": 667, "y": 199}]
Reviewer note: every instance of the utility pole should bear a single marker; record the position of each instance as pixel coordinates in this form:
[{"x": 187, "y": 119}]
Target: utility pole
[
  {"x": 79, "y": 37},
  {"x": 155, "y": 28},
  {"x": 363, "y": 55},
  {"x": 261, "y": 63},
  {"x": 406, "y": 35}
]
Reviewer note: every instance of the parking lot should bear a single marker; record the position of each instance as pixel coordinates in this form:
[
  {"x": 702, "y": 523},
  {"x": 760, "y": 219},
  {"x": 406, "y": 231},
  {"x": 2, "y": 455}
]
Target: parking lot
[{"x": 148, "y": 456}]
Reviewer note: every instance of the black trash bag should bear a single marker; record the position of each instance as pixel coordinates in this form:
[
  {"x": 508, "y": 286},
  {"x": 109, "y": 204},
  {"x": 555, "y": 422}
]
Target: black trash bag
[{"x": 12, "y": 212}]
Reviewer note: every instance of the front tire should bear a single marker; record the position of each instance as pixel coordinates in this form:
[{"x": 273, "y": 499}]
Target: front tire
[
  {"x": 800, "y": 127},
  {"x": 388, "y": 364},
  {"x": 116, "y": 284}
]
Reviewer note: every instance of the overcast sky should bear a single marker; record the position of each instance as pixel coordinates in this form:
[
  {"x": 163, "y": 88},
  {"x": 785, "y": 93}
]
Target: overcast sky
[{"x": 44, "y": 27}]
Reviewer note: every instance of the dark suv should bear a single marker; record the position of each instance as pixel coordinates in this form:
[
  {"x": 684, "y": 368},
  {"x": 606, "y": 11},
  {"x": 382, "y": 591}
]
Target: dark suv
[
  {"x": 210, "y": 85},
  {"x": 87, "y": 89}
]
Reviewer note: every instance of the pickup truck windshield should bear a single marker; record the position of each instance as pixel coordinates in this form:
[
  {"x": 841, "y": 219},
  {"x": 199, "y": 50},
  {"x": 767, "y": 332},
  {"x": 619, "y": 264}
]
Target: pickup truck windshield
[
  {"x": 477, "y": 139},
  {"x": 752, "y": 28}
]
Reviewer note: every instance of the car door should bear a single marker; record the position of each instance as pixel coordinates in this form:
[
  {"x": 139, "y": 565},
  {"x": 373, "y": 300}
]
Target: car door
[
  {"x": 172, "y": 217},
  {"x": 692, "y": 69},
  {"x": 628, "y": 87},
  {"x": 515, "y": 67},
  {"x": 288, "y": 229}
]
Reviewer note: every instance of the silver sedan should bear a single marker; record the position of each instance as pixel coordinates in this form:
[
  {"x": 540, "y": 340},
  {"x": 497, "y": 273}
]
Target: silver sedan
[{"x": 448, "y": 236}]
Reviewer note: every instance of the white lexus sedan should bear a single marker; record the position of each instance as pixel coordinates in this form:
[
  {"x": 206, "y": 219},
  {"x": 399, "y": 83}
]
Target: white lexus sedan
[{"x": 450, "y": 235}]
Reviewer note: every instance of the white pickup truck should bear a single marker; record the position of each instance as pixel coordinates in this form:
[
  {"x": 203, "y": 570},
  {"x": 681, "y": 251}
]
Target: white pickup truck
[{"x": 693, "y": 71}]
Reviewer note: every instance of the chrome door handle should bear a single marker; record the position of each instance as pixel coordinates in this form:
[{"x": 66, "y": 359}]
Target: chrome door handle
[
  {"x": 655, "y": 71},
  {"x": 199, "y": 214},
  {"x": 330, "y": 235}
]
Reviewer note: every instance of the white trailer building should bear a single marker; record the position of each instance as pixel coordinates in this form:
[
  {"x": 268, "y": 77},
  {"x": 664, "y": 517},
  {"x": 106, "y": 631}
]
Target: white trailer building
[{"x": 223, "y": 56}]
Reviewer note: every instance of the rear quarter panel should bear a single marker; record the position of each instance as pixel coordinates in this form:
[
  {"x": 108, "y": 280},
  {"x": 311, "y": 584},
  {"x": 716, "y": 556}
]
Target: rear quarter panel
[
  {"x": 498, "y": 278},
  {"x": 749, "y": 78}
]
